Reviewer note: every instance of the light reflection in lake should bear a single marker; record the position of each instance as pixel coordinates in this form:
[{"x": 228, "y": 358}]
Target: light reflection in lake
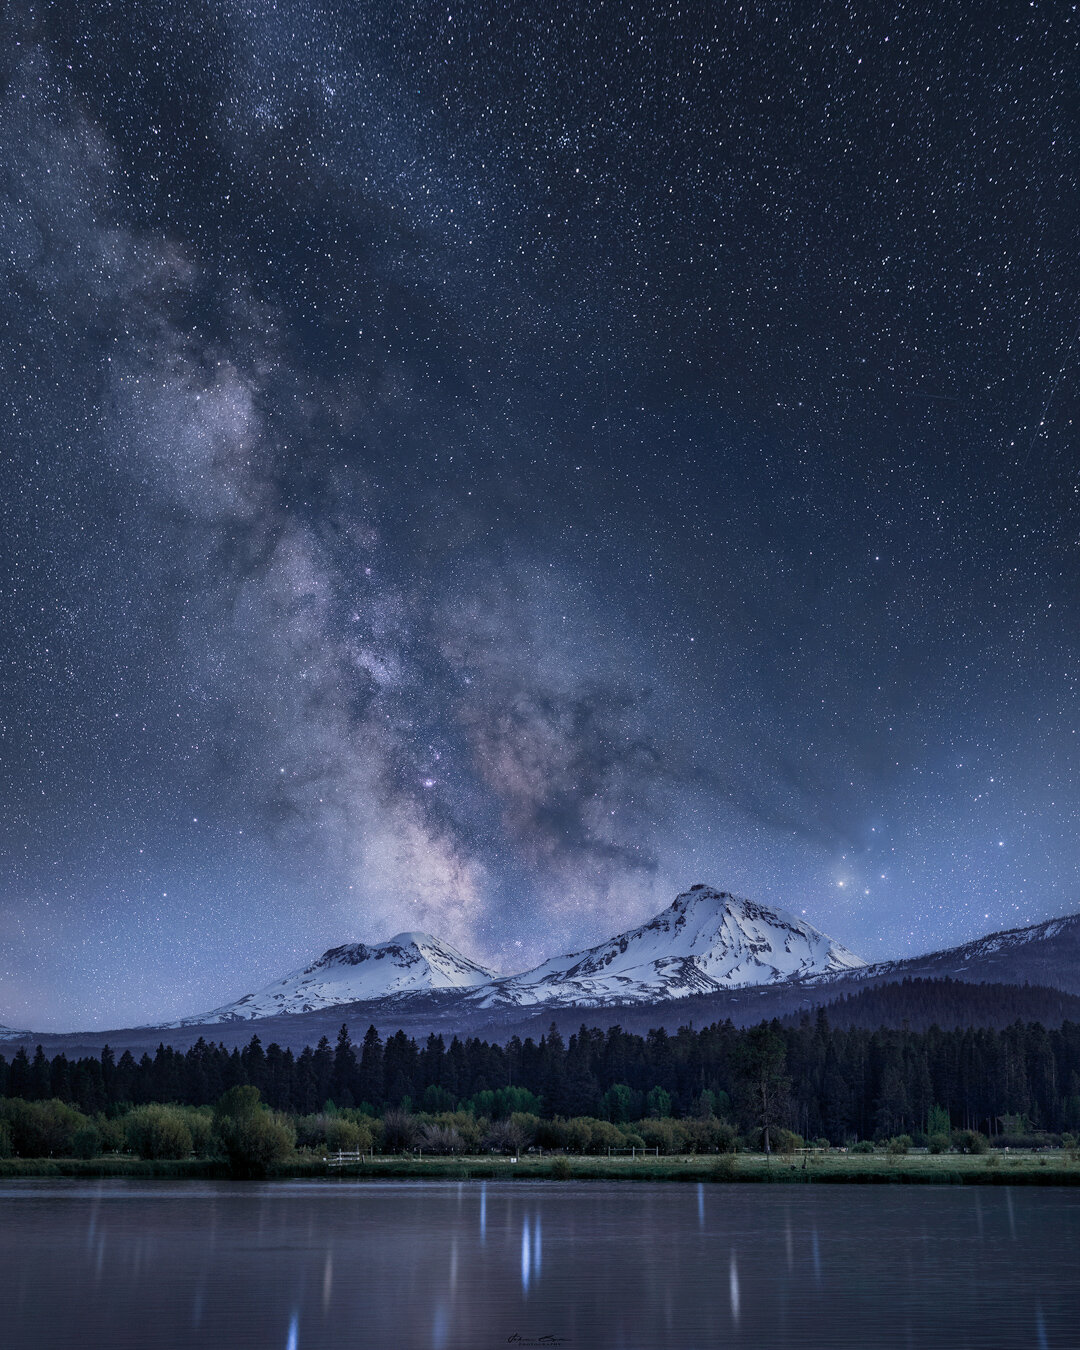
[
  {"x": 526, "y": 1257},
  {"x": 321, "y": 1265}
]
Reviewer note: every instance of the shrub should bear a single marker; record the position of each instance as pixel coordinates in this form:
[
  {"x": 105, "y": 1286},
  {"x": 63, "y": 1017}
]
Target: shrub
[
  {"x": 158, "y": 1132},
  {"x": 971, "y": 1141},
  {"x": 111, "y": 1130},
  {"x": 899, "y": 1145},
  {"x": 579, "y": 1135},
  {"x": 786, "y": 1141},
  {"x": 237, "y": 1103},
  {"x": 502, "y": 1137},
  {"x": 561, "y": 1170},
  {"x": 661, "y": 1134},
  {"x": 707, "y": 1135},
  {"x": 528, "y": 1124},
  {"x": 5, "y": 1139},
  {"x": 938, "y": 1143},
  {"x": 254, "y": 1143},
  {"x": 400, "y": 1131},
  {"x": 342, "y": 1136},
  {"x": 87, "y": 1141},
  {"x": 552, "y": 1134},
  {"x": 465, "y": 1126},
  {"x": 440, "y": 1139},
  {"x": 606, "y": 1136},
  {"x": 41, "y": 1129},
  {"x": 200, "y": 1122},
  {"x": 863, "y": 1146}
]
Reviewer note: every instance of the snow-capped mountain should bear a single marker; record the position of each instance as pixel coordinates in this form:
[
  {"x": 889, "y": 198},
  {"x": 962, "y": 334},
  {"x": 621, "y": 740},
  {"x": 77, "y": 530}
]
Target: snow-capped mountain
[
  {"x": 410, "y": 963},
  {"x": 707, "y": 940},
  {"x": 1046, "y": 953}
]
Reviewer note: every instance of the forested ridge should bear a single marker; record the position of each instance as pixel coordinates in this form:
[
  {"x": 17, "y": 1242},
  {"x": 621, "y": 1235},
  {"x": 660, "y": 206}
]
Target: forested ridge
[
  {"x": 814, "y": 1078},
  {"x": 943, "y": 1002}
]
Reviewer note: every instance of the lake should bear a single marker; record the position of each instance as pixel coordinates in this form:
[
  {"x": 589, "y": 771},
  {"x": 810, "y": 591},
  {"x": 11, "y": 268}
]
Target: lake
[{"x": 305, "y": 1265}]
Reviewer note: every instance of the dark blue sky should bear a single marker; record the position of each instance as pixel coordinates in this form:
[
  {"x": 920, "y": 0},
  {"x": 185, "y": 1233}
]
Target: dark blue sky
[{"x": 484, "y": 469}]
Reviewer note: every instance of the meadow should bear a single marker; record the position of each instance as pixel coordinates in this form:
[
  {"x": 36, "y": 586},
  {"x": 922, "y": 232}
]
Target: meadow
[{"x": 1047, "y": 1167}]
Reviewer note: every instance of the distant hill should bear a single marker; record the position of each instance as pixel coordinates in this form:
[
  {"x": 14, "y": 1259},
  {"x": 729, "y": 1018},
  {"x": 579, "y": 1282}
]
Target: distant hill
[
  {"x": 921, "y": 1004},
  {"x": 1045, "y": 954}
]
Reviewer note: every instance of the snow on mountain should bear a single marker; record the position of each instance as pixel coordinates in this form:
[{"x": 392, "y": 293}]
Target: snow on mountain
[
  {"x": 1046, "y": 953},
  {"x": 706, "y": 941},
  {"x": 409, "y": 963}
]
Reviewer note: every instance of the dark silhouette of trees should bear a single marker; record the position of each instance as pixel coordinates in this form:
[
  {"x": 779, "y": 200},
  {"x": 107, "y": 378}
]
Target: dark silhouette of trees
[
  {"x": 765, "y": 1087},
  {"x": 812, "y": 1077},
  {"x": 343, "y": 1079}
]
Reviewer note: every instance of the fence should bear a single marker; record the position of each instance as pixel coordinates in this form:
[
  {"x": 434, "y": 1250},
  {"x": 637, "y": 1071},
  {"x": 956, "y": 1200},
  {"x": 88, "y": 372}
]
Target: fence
[{"x": 343, "y": 1157}]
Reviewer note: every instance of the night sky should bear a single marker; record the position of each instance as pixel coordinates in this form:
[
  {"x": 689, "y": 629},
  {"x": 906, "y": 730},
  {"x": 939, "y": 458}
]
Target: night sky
[{"x": 484, "y": 468}]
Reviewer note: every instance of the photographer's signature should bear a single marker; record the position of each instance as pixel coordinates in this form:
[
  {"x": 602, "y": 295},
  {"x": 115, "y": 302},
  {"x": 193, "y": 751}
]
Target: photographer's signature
[{"x": 515, "y": 1338}]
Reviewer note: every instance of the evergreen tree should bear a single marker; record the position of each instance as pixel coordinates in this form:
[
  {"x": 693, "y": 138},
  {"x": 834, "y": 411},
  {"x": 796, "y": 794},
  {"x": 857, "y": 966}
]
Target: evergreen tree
[
  {"x": 345, "y": 1069},
  {"x": 765, "y": 1084},
  {"x": 40, "y": 1087},
  {"x": 322, "y": 1064},
  {"x": 371, "y": 1070}
]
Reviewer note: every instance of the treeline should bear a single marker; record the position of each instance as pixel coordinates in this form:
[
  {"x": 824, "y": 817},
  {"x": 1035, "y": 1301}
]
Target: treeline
[
  {"x": 814, "y": 1079},
  {"x": 924, "y": 1003}
]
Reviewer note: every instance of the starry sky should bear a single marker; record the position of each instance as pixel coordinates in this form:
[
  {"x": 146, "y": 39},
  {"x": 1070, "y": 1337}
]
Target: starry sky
[{"x": 482, "y": 468}]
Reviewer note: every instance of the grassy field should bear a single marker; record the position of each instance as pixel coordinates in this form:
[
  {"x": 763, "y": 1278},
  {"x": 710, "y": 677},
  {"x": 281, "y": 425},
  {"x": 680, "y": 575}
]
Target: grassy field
[{"x": 1049, "y": 1168}]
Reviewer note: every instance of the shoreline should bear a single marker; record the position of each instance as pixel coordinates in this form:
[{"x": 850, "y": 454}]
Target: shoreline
[{"x": 941, "y": 1170}]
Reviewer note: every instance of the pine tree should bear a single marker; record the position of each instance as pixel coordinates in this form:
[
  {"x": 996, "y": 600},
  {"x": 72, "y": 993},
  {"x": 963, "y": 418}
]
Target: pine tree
[
  {"x": 322, "y": 1064},
  {"x": 345, "y": 1069},
  {"x": 764, "y": 1082},
  {"x": 371, "y": 1070}
]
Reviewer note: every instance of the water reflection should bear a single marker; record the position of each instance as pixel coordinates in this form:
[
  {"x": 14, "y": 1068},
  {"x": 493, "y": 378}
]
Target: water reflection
[
  {"x": 440, "y": 1327},
  {"x": 526, "y": 1257},
  {"x": 1040, "y": 1329},
  {"x": 616, "y": 1267},
  {"x": 733, "y": 1287},
  {"x": 327, "y": 1280}
]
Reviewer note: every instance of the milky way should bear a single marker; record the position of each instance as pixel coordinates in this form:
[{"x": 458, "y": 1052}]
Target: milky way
[{"x": 482, "y": 469}]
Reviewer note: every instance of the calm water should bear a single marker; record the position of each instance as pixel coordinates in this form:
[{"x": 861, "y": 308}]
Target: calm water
[{"x": 472, "y": 1265}]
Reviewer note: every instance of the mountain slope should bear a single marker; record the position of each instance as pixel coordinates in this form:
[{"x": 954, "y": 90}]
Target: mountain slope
[
  {"x": 410, "y": 963},
  {"x": 707, "y": 940},
  {"x": 1045, "y": 953}
]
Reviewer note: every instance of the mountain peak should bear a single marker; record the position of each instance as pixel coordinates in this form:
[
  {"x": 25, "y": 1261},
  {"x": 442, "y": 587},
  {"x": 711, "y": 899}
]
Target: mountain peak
[
  {"x": 356, "y": 972},
  {"x": 706, "y": 940}
]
